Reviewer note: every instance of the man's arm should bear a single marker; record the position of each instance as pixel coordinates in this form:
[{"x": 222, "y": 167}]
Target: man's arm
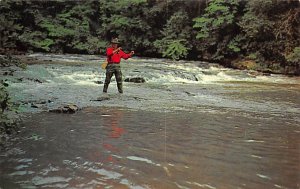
[
  {"x": 110, "y": 51},
  {"x": 126, "y": 56}
]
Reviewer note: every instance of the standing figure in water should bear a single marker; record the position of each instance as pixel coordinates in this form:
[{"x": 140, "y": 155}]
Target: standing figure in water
[{"x": 114, "y": 55}]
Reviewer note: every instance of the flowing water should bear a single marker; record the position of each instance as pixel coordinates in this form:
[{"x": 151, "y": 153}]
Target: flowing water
[{"x": 191, "y": 125}]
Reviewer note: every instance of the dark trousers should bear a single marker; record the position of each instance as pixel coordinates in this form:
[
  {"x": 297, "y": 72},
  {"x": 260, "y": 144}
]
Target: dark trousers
[{"x": 113, "y": 69}]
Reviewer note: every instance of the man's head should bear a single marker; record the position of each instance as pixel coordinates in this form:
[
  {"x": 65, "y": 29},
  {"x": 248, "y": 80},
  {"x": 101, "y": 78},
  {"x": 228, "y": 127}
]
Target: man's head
[{"x": 115, "y": 42}]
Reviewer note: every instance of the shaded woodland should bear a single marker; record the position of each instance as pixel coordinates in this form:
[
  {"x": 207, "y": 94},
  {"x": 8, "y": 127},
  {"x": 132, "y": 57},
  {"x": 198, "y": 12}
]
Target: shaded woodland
[{"x": 264, "y": 32}]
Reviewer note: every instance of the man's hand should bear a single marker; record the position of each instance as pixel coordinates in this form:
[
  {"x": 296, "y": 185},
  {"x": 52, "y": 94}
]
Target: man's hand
[
  {"x": 132, "y": 53},
  {"x": 117, "y": 50}
]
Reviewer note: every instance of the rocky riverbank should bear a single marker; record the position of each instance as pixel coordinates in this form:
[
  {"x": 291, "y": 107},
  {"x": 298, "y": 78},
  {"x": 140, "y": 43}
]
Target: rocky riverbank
[
  {"x": 9, "y": 118},
  {"x": 11, "y": 113},
  {"x": 266, "y": 68}
]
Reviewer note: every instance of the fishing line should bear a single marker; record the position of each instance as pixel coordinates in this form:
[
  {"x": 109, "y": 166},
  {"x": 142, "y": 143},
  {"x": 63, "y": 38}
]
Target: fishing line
[
  {"x": 165, "y": 137},
  {"x": 165, "y": 152},
  {"x": 165, "y": 109}
]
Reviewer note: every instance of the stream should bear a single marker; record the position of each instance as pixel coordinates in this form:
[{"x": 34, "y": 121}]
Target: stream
[{"x": 190, "y": 125}]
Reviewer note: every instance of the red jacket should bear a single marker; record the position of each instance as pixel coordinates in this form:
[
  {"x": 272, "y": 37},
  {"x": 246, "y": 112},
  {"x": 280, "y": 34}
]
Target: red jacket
[{"x": 116, "y": 58}]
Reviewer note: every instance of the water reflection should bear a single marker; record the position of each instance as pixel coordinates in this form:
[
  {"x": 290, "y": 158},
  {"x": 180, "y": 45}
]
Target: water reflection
[
  {"x": 121, "y": 148},
  {"x": 116, "y": 132}
]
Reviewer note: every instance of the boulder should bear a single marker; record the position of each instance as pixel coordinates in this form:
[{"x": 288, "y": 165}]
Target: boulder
[
  {"x": 135, "y": 80},
  {"x": 71, "y": 108}
]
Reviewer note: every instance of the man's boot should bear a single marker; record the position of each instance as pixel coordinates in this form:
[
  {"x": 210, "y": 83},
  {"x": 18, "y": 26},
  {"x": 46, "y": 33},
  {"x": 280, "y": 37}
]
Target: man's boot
[
  {"x": 120, "y": 87},
  {"x": 105, "y": 87}
]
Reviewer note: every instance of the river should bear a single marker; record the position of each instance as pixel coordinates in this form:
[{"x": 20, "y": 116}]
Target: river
[{"x": 190, "y": 125}]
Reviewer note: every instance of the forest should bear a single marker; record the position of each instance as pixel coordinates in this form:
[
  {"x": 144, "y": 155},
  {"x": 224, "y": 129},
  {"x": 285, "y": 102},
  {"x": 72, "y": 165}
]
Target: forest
[{"x": 259, "y": 34}]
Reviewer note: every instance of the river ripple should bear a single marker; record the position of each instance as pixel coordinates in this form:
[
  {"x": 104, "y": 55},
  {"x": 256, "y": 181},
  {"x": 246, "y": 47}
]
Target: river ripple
[{"x": 123, "y": 148}]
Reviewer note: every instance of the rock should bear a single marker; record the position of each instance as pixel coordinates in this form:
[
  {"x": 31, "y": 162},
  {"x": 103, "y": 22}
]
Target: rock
[
  {"x": 35, "y": 106},
  {"x": 4, "y": 83},
  {"x": 10, "y": 73},
  {"x": 266, "y": 74},
  {"x": 57, "y": 110},
  {"x": 254, "y": 73},
  {"x": 66, "y": 109},
  {"x": 196, "y": 79},
  {"x": 37, "y": 80},
  {"x": 135, "y": 80},
  {"x": 43, "y": 102},
  {"x": 98, "y": 82},
  {"x": 189, "y": 94},
  {"x": 245, "y": 64},
  {"x": 71, "y": 108},
  {"x": 102, "y": 98}
]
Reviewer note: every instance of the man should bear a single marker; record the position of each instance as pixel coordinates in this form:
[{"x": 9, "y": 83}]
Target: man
[{"x": 114, "y": 55}]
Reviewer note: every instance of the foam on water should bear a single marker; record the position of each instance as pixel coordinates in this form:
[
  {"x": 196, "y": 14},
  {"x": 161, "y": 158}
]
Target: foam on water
[
  {"x": 37, "y": 180},
  {"x": 153, "y": 70},
  {"x": 134, "y": 158},
  {"x": 173, "y": 86}
]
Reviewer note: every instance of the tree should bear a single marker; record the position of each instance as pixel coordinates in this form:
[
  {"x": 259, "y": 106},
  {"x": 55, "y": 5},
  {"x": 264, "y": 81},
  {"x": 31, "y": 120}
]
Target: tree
[
  {"x": 126, "y": 20},
  {"x": 9, "y": 28},
  {"x": 176, "y": 36},
  {"x": 270, "y": 29},
  {"x": 217, "y": 28},
  {"x": 294, "y": 57}
]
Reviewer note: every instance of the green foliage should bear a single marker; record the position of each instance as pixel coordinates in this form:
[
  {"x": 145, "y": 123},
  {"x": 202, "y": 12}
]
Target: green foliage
[
  {"x": 294, "y": 57},
  {"x": 57, "y": 29},
  {"x": 252, "y": 56},
  {"x": 176, "y": 49},
  {"x": 8, "y": 27},
  {"x": 203, "y": 24},
  {"x": 212, "y": 30},
  {"x": 7, "y": 125},
  {"x": 3, "y": 96},
  {"x": 215, "y": 28},
  {"x": 96, "y": 45},
  {"x": 176, "y": 35},
  {"x": 127, "y": 20},
  {"x": 254, "y": 25},
  {"x": 262, "y": 7},
  {"x": 66, "y": 29},
  {"x": 71, "y": 26},
  {"x": 234, "y": 44},
  {"x": 37, "y": 40},
  {"x": 218, "y": 14},
  {"x": 269, "y": 30}
]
